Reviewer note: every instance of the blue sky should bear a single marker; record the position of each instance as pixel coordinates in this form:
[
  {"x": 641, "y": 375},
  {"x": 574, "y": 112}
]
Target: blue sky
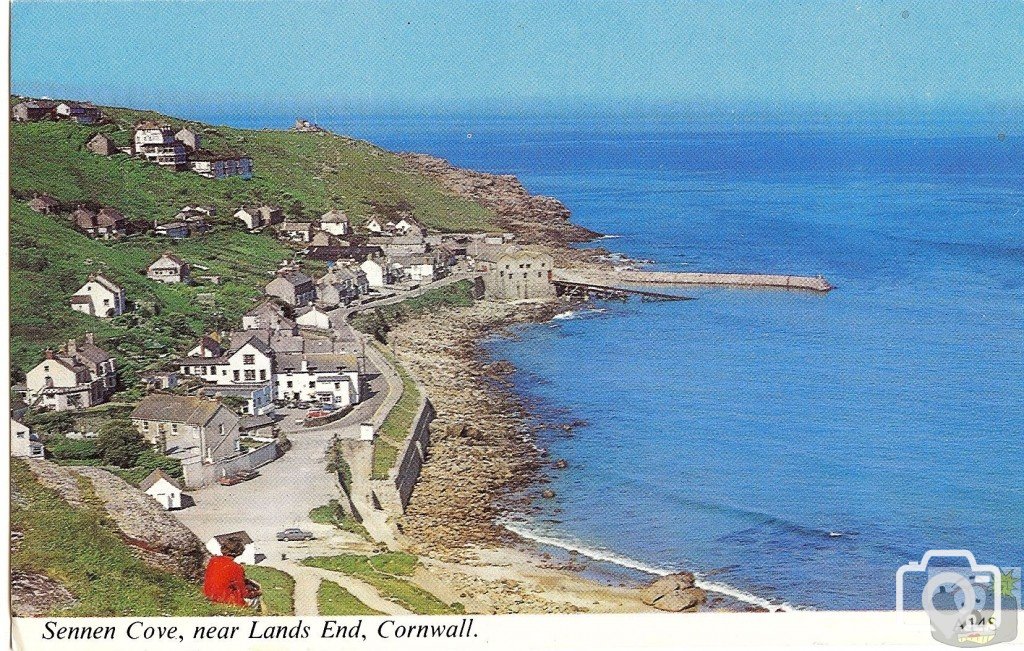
[{"x": 457, "y": 55}]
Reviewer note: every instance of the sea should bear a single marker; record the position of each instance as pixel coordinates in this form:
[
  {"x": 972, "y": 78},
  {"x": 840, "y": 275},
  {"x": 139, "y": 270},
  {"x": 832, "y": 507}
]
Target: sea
[{"x": 793, "y": 448}]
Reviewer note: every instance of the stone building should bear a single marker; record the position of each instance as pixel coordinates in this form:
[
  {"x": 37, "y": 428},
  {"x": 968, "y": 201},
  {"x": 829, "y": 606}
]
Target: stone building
[
  {"x": 169, "y": 268},
  {"x": 518, "y": 274},
  {"x": 101, "y": 144},
  {"x": 188, "y": 426},
  {"x": 157, "y": 144}
]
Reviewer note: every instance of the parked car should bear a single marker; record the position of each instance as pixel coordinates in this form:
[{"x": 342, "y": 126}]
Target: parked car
[
  {"x": 294, "y": 534},
  {"x": 229, "y": 480},
  {"x": 246, "y": 475},
  {"x": 317, "y": 413}
]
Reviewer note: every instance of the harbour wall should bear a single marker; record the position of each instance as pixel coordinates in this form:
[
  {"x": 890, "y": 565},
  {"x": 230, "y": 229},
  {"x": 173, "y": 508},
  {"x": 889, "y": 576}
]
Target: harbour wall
[{"x": 618, "y": 278}]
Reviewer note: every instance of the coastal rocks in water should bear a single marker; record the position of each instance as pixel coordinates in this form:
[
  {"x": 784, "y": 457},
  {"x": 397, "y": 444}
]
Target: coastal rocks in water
[
  {"x": 676, "y": 593},
  {"x": 561, "y": 464},
  {"x": 548, "y": 493}
]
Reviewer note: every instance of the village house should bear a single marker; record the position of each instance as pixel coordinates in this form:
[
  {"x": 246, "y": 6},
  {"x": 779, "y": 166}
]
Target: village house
[
  {"x": 169, "y": 268},
  {"x": 207, "y": 347},
  {"x": 339, "y": 286},
  {"x": 44, "y": 204},
  {"x": 220, "y": 166},
  {"x": 400, "y": 244},
  {"x": 377, "y": 225},
  {"x": 101, "y": 144},
  {"x": 32, "y": 110},
  {"x": 267, "y": 316},
  {"x": 320, "y": 378},
  {"x": 79, "y": 112},
  {"x": 173, "y": 230},
  {"x": 314, "y": 317},
  {"x": 320, "y": 238},
  {"x": 248, "y": 556},
  {"x": 417, "y": 268},
  {"x": 249, "y": 361},
  {"x": 158, "y": 380},
  {"x": 106, "y": 223},
  {"x": 409, "y": 226},
  {"x": 296, "y": 231},
  {"x": 334, "y": 222},
  {"x": 25, "y": 444},
  {"x": 80, "y": 376},
  {"x": 345, "y": 254},
  {"x": 251, "y": 217},
  {"x": 188, "y": 426},
  {"x": 258, "y": 398},
  {"x": 163, "y": 488},
  {"x": 271, "y": 214},
  {"x": 516, "y": 274},
  {"x": 293, "y": 287},
  {"x": 156, "y": 143},
  {"x": 100, "y": 297},
  {"x": 377, "y": 271},
  {"x": 189, "y": 138}
]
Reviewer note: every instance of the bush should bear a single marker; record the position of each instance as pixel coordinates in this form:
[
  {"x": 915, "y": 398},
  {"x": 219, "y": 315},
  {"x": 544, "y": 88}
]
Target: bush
[
  {"x": 62, "y": 448},
  {"x": 120, "y": 444}
]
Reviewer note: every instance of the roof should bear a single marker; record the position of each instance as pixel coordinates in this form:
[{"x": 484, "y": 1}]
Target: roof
[
  {"x": 106, "y": 282},
  {"x": 251, "y": 338},
  {"x": 147, "y": 125},
  {"x": 250, "y": 422},
  {"x": 156, "y": 476},
  {"x": 171, "y": 258},
  {"x": 222, "y": 538},
  {"x": 296, "y": 226},
  {"x": 38, "y": 103},
  {"x": 189, "y": 410},
  {"x": 332, "y": 253},
  {"x": 334, "y": 217},
  {"x": 318, "y": 362},
  {"x": 209, "y": 156},
  {"x": 295, "y": 278},
  {"x": 209, "y": 343},
  {"x": 265, "y": 308},
  {"x": 43, "y": 200},
  {"x": 92, "y": 352}
]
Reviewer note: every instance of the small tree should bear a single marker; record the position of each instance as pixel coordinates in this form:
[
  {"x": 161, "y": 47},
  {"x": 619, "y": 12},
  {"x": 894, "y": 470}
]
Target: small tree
[{"x": 120, "y": 444}]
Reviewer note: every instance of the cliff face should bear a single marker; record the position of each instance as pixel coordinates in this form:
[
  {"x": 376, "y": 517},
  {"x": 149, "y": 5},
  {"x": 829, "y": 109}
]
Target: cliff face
[
  {"x": 157, "y": 537},
  {"x": 534, "y": 219}
]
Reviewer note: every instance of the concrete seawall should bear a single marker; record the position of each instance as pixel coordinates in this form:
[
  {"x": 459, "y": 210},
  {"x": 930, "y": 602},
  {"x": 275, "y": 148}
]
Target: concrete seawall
[{"x": 665, "y": 278}]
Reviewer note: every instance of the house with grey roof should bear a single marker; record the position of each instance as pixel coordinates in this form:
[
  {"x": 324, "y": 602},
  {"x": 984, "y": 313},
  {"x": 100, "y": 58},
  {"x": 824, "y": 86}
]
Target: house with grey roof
[
  {"x": 33, "y": 110},
  {"x": 168, "y": 268},
  {"x": 79, "y": 376},
  {"x": 188, "y": 426},
  {"x": 99, "y": 296},
  {"x": 292, "y": 287},
  {"x": 44, "y": 204},
  {"x": 296, "y": 231},
  {"x": 319, "y": 378},
  {"x": 335, "y": 222},
  {"x": 163, "y": 488}
]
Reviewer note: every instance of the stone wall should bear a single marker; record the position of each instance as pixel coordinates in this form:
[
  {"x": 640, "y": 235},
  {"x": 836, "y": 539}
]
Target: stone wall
[
  {"x": 198, "y": 474},
  {"x": 392, "y": 494},
  {"x": 814, "y": 283}
]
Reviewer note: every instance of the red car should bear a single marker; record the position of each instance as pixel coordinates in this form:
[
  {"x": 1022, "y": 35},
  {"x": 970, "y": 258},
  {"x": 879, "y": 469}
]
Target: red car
[{"x": 229, "y": 480}]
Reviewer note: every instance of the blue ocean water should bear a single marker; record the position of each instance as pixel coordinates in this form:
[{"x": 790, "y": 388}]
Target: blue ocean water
[{"x": 736, "y": 434}]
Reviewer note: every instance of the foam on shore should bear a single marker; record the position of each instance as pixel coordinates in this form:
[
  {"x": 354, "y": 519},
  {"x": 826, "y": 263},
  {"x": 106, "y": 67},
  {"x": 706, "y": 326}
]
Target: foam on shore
[{"x": 624, "y": 561}]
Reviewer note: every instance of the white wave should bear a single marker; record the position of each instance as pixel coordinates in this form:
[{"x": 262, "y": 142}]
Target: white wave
[
  {"x": 610, "y": 237},
  {"x": 575, "y": 314},
  {"x": 624, "y": 561}
]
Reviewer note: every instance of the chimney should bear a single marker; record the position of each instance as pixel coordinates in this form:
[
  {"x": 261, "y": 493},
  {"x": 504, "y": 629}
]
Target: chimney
[
  {"x": 90, "y": 338},
  {"x": 49, "y": 353},
  {"x": 305, "y": 365},
  {"x": 72, "y": 347}
]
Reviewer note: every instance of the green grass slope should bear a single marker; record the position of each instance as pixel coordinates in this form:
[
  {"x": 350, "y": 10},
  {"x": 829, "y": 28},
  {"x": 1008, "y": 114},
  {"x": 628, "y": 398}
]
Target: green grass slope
[{"x": 306, "y": 174}]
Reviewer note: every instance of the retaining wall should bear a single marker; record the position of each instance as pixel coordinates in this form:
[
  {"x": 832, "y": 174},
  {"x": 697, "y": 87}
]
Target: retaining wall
[
  {"x": 817, "y": 284},
  {"x": 198, "y": 474},
  {"x": 393, "y": 493}
]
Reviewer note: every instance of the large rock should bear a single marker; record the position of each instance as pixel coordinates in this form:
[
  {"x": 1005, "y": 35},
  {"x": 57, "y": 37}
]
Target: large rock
[{"x": 674, "y": 593}]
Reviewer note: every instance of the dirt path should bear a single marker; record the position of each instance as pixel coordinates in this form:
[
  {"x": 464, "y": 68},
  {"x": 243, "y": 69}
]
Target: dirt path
[{"x": 307, "y": 582}]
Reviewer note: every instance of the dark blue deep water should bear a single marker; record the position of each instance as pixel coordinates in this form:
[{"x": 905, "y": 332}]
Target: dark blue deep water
[{"x": 733, "y": 434}]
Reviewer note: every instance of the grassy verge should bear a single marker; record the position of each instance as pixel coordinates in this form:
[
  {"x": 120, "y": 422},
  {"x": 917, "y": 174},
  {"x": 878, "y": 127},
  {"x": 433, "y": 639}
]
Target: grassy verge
[
  {"x": 278, "y": 588},
  {"x": 334, "y": 600},
  {"x": 396, "y": 426},
  {"x": 78, "y": 547},
  {"x": 385, "y": 572},
  {"x": 332, "y": 513}
]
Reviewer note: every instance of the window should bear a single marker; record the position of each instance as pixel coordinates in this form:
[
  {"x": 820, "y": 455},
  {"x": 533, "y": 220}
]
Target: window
[
  {"x": 263, "y": 374},
  {"x": 174, "y": 428},
  {"x": 248, "y": 359},
  {"x": 288, "y": 384},
  {"x": 234, "y": 375},
  {"x": 106, "y": 301},
  {"x": 312, "y": 384},
  {"x": 46, "y": 368},
  {"x": 250, "y": 376}
]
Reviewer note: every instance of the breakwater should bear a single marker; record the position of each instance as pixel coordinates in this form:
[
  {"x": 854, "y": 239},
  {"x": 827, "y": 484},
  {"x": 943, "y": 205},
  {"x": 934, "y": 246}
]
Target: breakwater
[{"x": 664, "y": 278}]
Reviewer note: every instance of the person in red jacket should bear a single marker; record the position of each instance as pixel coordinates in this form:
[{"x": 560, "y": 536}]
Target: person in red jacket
[{"x": 225, "y": 581}]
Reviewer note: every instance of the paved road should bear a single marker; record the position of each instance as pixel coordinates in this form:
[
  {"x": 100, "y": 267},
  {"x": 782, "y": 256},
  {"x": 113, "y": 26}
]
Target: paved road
[{"x": 286, "y": 489}]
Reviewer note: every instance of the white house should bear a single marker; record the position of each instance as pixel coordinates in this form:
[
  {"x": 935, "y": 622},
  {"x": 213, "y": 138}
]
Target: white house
[
  {"x": 82, "y": 375},
  {"x": 247, "y": 558},
  {"x": 259, "y": 397},
  {"x": 378, "y": 273},
  {"x": 334, "y": 222},
  {"x": 163, "y": 488},
  {"x": 250, "y": 216},
  {"x": 322, "y": 378},
  {"x": 24, "y": 443},
  {"x": 247, "y": 362},
  {"x": 157, "y": 144},
  {"x": 169, "y": 268},
  {"x": 296, "y": 231},
  {"x": 100, "y": 297},
  {"x": 418, "y": 268},
  {"x": 375, "y": 225},
  {"x": 314, "y": 318},
  {"x": 409, "y": 226},
  {"x": 220, "y": 166}
]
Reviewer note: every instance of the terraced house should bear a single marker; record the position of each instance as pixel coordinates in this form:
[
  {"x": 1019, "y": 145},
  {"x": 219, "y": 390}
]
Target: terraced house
[
  {"x": 82, "y": 375},
  {"x": 249, "y": 361}
]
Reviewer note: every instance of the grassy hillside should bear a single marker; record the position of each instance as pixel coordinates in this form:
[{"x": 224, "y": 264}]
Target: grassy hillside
[{"x": 307, "y": 174}]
